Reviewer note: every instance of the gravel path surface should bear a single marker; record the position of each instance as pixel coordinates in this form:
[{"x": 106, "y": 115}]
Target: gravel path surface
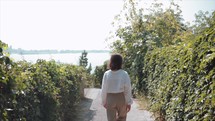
[{"x": 90, "y": 109}]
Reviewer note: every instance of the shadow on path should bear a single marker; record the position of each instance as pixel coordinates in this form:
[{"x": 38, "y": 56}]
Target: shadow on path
[{"x": 84, "y": 113}]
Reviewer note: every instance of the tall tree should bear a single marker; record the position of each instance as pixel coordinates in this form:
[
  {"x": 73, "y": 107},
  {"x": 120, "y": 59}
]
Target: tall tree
[
  {"x": 83, "y": 60},
  {"x": 140, "y": 30},
  {"x": 89, "y": 69},
  {"x": 202, "y": 21}
]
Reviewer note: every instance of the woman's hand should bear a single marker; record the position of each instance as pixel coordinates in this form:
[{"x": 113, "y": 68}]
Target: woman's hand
[
  {"x": 105, "y": 105},
  {"x": 128, "y": 108}
]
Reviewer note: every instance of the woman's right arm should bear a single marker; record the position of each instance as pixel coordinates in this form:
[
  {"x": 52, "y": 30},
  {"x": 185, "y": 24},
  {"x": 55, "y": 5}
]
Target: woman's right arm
[{"x": 104, "y": 90}]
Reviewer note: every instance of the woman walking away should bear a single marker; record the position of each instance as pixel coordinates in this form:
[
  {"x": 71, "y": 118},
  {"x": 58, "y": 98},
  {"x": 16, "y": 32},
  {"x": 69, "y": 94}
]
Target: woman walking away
[{"x": 116, "y": 90}]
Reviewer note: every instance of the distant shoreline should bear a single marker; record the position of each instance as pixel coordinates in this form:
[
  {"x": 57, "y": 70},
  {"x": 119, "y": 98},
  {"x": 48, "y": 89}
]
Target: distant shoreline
[
  {"x": 96, "y": 59},
  {"x": 35, "y": 52}
]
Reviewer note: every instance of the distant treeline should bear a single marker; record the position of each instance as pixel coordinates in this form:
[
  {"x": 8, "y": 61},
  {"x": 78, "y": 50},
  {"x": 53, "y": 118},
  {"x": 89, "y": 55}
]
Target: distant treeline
[{"x": 23, "y": 52}]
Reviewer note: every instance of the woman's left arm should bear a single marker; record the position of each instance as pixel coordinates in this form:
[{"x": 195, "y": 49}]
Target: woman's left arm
[{"x": 127, "y": 91}]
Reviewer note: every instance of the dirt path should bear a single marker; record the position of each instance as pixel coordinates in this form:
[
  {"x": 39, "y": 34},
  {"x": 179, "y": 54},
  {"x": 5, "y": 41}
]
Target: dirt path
[{"x": 90, "y": 109}]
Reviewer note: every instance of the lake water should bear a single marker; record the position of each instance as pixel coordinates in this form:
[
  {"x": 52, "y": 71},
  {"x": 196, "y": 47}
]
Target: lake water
[{"x": 95, "y": 59}]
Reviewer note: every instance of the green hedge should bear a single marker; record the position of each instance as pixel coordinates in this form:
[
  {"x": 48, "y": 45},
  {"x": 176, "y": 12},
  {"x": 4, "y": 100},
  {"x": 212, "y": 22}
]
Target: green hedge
[
  {"x": 44, "y": 91},
  {"x": 181, "y": 79},
  {"x": 98, "y": 74}
]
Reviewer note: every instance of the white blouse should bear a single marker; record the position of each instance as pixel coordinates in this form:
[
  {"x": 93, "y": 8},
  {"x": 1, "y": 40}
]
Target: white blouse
[{"x": 116, "y": 82}]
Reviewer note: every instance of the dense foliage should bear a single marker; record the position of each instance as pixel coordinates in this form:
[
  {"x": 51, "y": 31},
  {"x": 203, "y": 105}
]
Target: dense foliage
[
  {"x": 169, "y": 61},
  {"x": 98, "y": 74},
  {"x": 46, "y": 90},
  {"x": 146, "y": 29},
  {"x": 181, "y": 79}
]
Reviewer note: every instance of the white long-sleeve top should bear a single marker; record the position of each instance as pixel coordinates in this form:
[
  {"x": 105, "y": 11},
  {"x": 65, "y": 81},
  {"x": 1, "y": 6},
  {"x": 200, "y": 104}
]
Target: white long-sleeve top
[{"x": 116, "y": 82}]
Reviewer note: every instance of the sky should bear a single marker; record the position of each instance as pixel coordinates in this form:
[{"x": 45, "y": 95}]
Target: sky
[{"x": 68, "y": 24}]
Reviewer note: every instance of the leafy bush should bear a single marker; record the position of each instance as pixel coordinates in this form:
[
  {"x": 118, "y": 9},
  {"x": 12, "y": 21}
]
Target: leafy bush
[
  {"x": 181, "y": 79},
  {"x": 46, "y": 90},
  {"x": 98, "y": 74}
]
